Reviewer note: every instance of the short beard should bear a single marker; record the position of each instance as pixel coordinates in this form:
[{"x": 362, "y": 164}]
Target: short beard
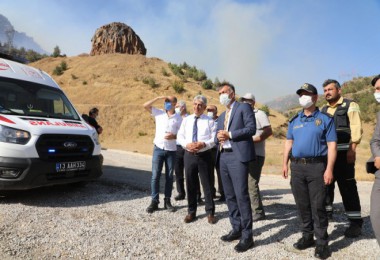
[{"x": 333, "y": 100}]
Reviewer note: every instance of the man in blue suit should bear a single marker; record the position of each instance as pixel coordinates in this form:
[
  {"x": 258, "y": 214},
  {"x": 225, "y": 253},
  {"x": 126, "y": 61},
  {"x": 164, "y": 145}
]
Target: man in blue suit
[{"x": 236, "y": 126}]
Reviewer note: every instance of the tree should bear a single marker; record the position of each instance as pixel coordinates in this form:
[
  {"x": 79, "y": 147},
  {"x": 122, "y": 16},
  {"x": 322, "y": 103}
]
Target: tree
[
  {"x": 56, "y": 52},
  {"x": 265, "y": 108}
]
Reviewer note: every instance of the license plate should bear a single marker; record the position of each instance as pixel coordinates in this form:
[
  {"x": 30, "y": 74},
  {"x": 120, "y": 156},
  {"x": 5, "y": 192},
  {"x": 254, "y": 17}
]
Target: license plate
[{"x": 70, "y": 166}]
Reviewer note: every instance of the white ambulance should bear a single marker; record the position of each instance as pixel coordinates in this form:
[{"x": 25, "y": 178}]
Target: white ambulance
[{"x": 43, "y": 139}]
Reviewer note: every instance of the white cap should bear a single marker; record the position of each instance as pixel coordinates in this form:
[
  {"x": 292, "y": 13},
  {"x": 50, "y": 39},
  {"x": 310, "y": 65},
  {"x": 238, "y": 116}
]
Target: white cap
[{"x": 248, "y": 96}]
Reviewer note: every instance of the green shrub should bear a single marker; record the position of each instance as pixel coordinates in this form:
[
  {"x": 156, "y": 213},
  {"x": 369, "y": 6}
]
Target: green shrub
[
  {"x": 265, "y": 108},
  {"x": 150, "y": 81},
  {"x": 63, "y": 65},
  {"x": 178, "y": 86},
  {"x": 142, "y": 133},
  {"x": 207, "y": 84},
  {"x": 199, "y": 75},
  {"x": 164, "y": 72},
  {"x": 73, "y": 76},
  {"x": 176, "y": 70},
  {"x": 58, "y": 71},
  {"x": 56, "y": 52},
  {"x": 84, "y": 82}
]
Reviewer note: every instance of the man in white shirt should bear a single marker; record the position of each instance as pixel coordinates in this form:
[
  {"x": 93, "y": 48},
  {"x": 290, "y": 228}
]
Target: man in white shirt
[
  {"x": 263, "y": 131},
  {"x": 167, "y": 125},
  {"x": 196, "y": 135},
  {"x": 179, "y": 167}
]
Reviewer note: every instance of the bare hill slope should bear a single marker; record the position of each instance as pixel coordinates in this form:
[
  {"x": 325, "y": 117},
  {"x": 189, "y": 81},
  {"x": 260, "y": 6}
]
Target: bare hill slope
[{"x": 114, "y": 84}]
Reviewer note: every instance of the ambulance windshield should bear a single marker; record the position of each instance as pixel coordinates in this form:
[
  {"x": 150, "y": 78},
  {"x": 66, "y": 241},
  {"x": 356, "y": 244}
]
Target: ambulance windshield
[{"x": 19, "y": 97}]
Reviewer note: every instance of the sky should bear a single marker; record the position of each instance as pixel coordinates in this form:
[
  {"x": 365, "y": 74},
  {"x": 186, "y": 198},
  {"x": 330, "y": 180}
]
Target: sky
[{"x": 265, "y": 47}]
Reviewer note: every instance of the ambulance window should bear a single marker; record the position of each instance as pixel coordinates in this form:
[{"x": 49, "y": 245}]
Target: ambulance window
[{"x": 31, "y": 99}]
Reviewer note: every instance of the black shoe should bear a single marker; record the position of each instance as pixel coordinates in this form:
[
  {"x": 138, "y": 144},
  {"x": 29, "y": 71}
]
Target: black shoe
[
  {"x": 180, "y": 196},
  {"x": 233, "y": 235},
  {"x": 322, "y": 251},
  {"x": 244, "y": 245},
  {"x": 152, "y": 207},
  {"x": 304, "y": 242},
  {"x": 258, "y": 217},
  {"x": 353, "y": 231},
  {"x": 168, "y": 205}
]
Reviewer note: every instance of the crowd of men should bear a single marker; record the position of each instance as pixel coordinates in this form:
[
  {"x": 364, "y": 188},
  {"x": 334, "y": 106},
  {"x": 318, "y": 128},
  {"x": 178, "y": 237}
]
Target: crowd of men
[{"x": 320, "y": 145}]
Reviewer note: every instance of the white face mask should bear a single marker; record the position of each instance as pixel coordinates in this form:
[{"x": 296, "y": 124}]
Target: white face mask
[
  {"x": 305, "y": 101},
  {"x": 377, "y": 96},
  {"x": 210, "y": 114},
  {"x": 224, "y": 99},
  {"x": 178, "y": 110}
]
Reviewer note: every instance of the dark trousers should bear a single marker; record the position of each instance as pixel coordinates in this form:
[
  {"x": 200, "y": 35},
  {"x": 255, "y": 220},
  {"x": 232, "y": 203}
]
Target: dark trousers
[
  {"x": 215, "y": 166},
  {"x": 309, "y": 193},
  {"x": 197, "y": 166},
  {"x": 179, "y": 172},
  {"x": 235, "y": 184},
  {"x": 255, "y": 168},
  {"x": 344, "y": 175},
  {"x": 375, "y": 209}
]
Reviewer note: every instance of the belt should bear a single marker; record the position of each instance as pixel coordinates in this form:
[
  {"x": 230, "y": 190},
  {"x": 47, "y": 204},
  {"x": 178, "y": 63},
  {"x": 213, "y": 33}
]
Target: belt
[
  {"x": 199, "y": 153},
  {"x": 226, "y": 150},
  {"x": 306, "y": 160}
]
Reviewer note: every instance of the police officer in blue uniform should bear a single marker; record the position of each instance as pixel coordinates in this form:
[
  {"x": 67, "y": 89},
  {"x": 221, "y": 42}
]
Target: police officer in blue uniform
[{"x": 311, "y": 147}]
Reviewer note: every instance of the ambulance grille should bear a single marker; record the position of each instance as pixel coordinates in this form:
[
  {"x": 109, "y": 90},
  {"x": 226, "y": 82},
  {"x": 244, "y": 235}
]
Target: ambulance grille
[{"x": 55, "y": 146}]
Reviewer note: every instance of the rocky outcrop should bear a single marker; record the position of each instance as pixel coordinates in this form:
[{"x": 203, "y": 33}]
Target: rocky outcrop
[{"x": 116, "y": 38}]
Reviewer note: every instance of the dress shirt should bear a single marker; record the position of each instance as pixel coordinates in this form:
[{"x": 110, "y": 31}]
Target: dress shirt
[
  {"x": 165, "y": 124},
  {"x": 185, "y": 115},
  {"x": 227, "y": 143},
  {"x": 206, "y": 131}
]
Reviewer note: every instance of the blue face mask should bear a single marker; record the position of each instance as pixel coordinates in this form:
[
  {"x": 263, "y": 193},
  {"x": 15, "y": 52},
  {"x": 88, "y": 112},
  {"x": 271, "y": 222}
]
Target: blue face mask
[{"x": 168, "y": 105}]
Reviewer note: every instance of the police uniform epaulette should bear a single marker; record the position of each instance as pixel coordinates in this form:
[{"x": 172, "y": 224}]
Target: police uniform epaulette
[{"x": 293, "y": 117}]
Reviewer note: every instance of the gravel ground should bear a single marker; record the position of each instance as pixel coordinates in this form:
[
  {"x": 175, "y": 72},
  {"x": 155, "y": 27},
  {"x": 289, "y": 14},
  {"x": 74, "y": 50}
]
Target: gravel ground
[{"x": 107, "y": 220}]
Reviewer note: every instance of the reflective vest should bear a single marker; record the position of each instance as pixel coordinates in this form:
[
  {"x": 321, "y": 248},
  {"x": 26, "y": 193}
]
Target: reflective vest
[{"x": 342, "y": 124}]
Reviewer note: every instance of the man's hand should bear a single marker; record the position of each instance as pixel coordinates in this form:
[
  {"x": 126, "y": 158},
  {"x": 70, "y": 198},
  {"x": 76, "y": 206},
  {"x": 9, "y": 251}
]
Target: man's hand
[
  {"x": 223, "y": 135},
  {"x": 328, "y": 177},
  {"x": 351, "y": 156},
  {"x": 285, "y": 170},
  {"x": 195, "y": 147},
  {"x": 377, "y": 162},
  {"x": 170, "y": 136}
]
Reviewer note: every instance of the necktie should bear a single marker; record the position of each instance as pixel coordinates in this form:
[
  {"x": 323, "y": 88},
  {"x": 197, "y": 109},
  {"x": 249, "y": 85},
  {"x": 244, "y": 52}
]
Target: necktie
[
  {"x": 195, "y": 130},
  {"x": 226, "y": 119}
]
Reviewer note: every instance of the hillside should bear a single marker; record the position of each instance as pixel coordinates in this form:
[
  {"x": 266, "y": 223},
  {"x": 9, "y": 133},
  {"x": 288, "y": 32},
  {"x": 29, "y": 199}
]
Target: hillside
[{"x": 114, "y": 84}]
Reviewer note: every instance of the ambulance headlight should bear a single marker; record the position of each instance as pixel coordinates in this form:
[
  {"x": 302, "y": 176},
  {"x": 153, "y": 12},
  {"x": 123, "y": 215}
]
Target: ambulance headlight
[
  {"x": 95, "y": 137},
  {"x": 14, "y": 136}
]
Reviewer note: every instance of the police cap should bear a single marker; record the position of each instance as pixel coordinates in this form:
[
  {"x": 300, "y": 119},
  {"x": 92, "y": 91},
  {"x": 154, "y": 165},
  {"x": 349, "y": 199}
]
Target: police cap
[{"x": 307, "y": 87}]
